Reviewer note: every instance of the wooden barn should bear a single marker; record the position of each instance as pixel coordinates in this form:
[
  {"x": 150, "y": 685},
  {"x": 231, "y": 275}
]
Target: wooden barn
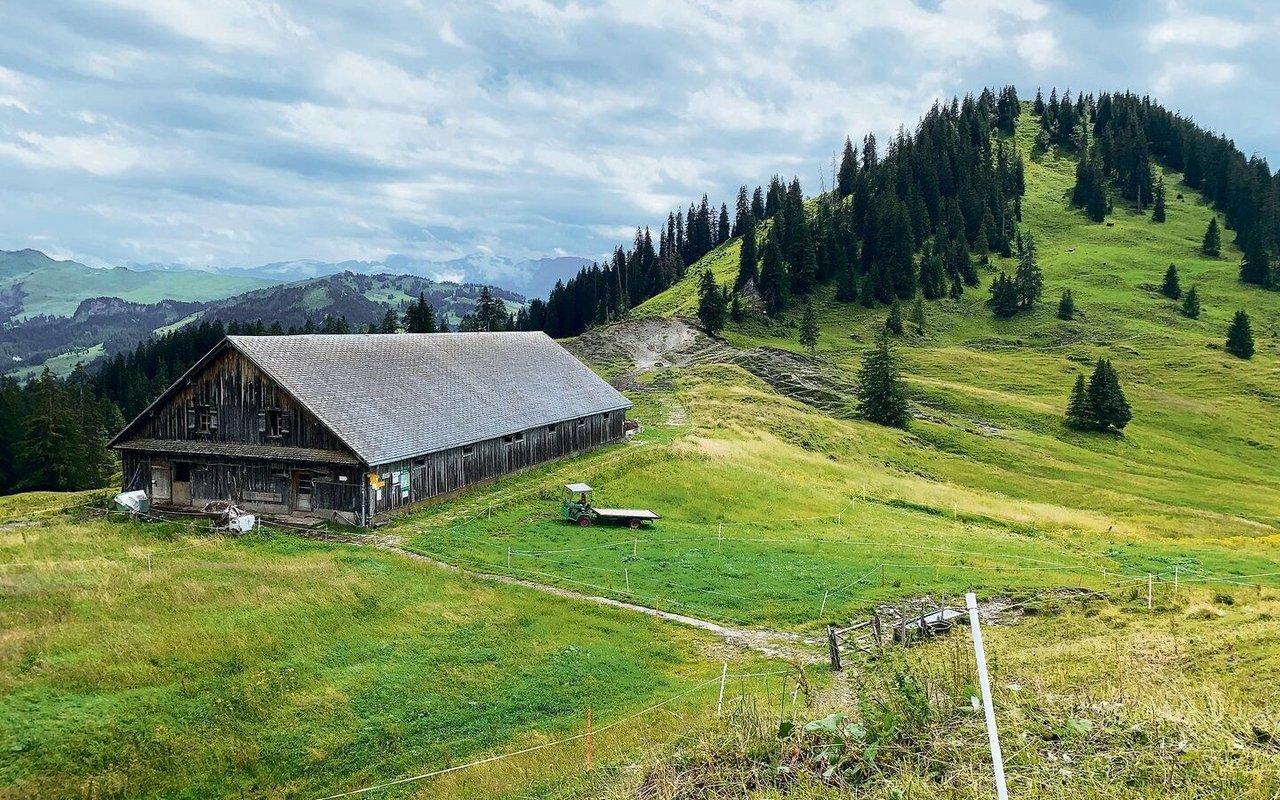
[{"x": 352, "y": 427}]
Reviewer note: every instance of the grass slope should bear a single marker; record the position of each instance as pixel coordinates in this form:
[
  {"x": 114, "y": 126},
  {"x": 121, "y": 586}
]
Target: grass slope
[{"x": 273, "y": 666}]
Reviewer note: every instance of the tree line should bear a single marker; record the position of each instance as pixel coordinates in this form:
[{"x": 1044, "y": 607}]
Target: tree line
[{"x": 949, "y": 191}]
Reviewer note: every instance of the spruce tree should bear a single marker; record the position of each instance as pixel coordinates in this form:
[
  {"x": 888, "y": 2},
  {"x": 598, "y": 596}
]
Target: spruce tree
[
  {"x": 881, "y": 393},
  {"x": 713, "y": 306},
  {"x": 1107, "y": 404},
  {"x": 1004, "y": 297},
  {"x": 390, "y": 322},
  {"x": 748, "y": 257},
  {"x": 735, "y": 309},
  {"x": 809, "y": 328},
  {"x": 1212, "y": 243},
  {"x": 1255, "y": 265},
  {"x": 917, "y": 315},
  {"x": 1079, "y": 415},
  {"x": 893, "y": 323},
  {"x": 1240, "y": 336},
  {"x": 1028, "y": 280},
  {"x": 1037, "y": 107},
  {"x": 1066, "y": 305},
  {"x": 1170, "y": 288},
  {"x": 933, "y": 279},
  {"x": 867, "y": 291},
  {"x": 774, "y": 284},
  {"x": 1157, "y": 208},
  {"x": 1191, "y": 303},
  {"x": 847, "y": 284},
  {"x": 848, "y": 170}
]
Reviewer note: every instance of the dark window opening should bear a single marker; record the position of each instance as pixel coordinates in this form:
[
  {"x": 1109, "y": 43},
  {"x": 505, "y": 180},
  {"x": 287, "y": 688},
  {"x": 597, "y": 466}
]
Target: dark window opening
[
  {"x": 182, "y": 471},
  {"x": 551, "y": 429},
  {"x": 304, "y": 482},
  {"x": 514, "y": 439},
  {"x": 470, "y": 450},
  {"x": 275, "y": 423},
  {"x": 582, "y": 423},
  {"x": 205, "y": 419}
]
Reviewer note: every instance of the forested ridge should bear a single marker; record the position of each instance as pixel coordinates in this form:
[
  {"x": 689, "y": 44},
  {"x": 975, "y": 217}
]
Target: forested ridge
[
  {"x": 916, "y": 217},
  {"x": 913, "y": 220}
]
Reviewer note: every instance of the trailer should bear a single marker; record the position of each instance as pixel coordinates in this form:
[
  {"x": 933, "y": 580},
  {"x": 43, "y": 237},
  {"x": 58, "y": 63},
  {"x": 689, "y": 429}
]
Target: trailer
[{"x": 576, "y": 508}]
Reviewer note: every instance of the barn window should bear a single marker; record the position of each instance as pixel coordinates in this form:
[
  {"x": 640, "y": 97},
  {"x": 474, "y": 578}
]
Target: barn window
[
  {"x": 582, "y": 423},
  {"x": 514, "y": 439},
  {"x": 275, "y": 422},
  {"x": 420, "y": 462},
  {"x": 469, "y": 450},
  {"x": 551, "y": 430},
  {"x": 202, "y": 419}
]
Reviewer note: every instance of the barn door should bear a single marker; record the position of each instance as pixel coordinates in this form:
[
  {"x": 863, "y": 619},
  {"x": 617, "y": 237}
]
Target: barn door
[
  {"x": 302, "y": 490},
  {"x": 180, "y": 487},
  {"x": 160, "y": 486}
]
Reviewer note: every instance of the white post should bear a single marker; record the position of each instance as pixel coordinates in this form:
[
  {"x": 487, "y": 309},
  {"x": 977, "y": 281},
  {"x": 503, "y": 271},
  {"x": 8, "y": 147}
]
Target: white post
[
  {"x": 824, "y": 602},
  {"x": 1175, "y": 579},
  {"x": 724, "y": 675},
  {"x": 508, "y": 556},
  {"x": 1148, "y": 591},
  {"x": 148, "y": 563},
  {"x": 627, "y": 574},
  {"x": 997, "y": 760}
]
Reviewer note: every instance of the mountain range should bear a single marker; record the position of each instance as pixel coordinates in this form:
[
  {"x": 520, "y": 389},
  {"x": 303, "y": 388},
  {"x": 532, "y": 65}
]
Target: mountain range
[{"x": 529, "y": 277}]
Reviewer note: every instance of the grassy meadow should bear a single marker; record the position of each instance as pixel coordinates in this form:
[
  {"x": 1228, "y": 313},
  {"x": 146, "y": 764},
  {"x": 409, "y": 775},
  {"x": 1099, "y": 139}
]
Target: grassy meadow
[{"x": 273, "y": 666}]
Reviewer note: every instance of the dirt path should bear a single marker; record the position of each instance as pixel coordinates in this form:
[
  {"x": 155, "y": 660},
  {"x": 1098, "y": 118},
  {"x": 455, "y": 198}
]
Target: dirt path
[{"x": 776, "y": 644}]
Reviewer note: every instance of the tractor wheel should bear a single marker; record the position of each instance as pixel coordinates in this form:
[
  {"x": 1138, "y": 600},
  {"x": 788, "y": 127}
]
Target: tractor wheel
[
  {"x": 633, "y": 524},
  {"x": 584, "y": 521}
]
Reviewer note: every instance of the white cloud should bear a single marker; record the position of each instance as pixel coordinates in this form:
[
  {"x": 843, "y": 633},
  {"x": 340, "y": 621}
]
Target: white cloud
[
  {"x": 223, "y": 24},
  {"x": 1178, "y": 75},
  {"x": 1039, "y": 49},
  {"x": 100, "y": 155},
  {"x": 1201, "y": 31}
]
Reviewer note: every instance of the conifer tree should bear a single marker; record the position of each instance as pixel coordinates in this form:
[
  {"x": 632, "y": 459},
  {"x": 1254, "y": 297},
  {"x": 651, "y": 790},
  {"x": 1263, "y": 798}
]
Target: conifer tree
[
  {"x": 1037, "y": 107},
  {"x": 722, "y": 228},
  {"x": 1255, "y": 265},
  {"x": 881, "y": 393},
  {"x": 390, "y": 322},
  {"x": 917, "y": 315},
  {"x": 1066, "y": 305},
  {"x": 1212, "y": 243},
  {"x": 713, "y": 305},
  {"x": 893, "y": 323},
  {"x": 848, "y": 174},
  {"x": 1107, "y": 404},
  {"x": 1157, "y": 207},
  {"x": 1170, "y": 288},
  {"x": 1079, "y": 415},
  {"x": 774, "y": 284},
  {"x": 748, "y": 257},
  {"x": 1004, "y": 297},
  {"x": 933, "y": 279},
  {"x": 757, "y": 204},
  {"x": 809, "y": 328},
  {"x": 1240, "y": 336},
  {"x": 867, "y": 291},
  {"x": 735, "y": 309},
  {"x": 847, "y": 284},
  {"x": 1191, "y": 303},
  {"x": 1028, "y": 279}
]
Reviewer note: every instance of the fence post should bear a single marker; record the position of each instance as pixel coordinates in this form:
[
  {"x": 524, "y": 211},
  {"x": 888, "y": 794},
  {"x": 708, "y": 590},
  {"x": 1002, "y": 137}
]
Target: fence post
[
  {"x": 1175, "y": 580},
  {"x": 724, "y": 675},
  {"x": 508, "y": 556},
  {"x": 882, "y": 574},
  {"x": 634, "y": 544},
  {"x": 997, "y": 759},
  {"x": 833, "y": 645},
  {"x": 627, "y": 575},
  {"x": 1149, "y": 591},
  {"x": 824, "y": 602},
  {"x": 148, "y": 563},
  {"x": 588, "y": 738},
  {"x": 875, "y": 627}
]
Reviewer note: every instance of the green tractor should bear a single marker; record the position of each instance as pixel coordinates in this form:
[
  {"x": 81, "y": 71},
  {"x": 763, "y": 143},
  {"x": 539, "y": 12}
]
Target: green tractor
[{"x": 576, "y": 508}]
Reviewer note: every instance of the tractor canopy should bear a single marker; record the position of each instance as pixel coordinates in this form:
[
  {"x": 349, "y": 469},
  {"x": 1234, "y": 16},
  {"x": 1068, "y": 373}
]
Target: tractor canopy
[{"x": 577, "y": 488}]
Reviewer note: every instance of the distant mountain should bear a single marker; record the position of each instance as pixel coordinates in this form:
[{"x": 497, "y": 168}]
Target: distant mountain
[
  {"x": 529, "y": 277},
  {"x": 100, "y": 326},
  {"x": 32, "y": 284}
]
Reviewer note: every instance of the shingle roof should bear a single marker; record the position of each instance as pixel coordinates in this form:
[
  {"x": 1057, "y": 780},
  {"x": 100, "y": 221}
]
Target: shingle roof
[
  {"x": 395, "y": 396},
  {"x": 264, "y": 452}
]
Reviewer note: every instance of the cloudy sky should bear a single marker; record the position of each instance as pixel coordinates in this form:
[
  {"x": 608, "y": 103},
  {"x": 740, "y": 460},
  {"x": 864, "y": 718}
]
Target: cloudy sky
[{"x": 236, "y": 132}]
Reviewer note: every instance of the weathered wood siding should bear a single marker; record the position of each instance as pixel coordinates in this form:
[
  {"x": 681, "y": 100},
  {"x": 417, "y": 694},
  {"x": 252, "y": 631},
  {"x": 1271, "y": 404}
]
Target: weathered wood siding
[
  {"x": 254, "y": 485},
  {"x": 456, "y": 468},
  {"x": 239, "y": 396}
]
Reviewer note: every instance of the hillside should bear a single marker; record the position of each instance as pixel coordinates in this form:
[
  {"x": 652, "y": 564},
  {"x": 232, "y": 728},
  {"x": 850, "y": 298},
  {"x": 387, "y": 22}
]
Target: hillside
[
  {"x": 279, "y": 666},
  {"x": 103, "y": 326},
  {"x": 32, "y": 284}
]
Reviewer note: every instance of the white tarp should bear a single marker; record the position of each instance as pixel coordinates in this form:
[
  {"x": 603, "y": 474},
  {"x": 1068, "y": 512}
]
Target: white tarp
[{"x": 137, "y": 502}]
